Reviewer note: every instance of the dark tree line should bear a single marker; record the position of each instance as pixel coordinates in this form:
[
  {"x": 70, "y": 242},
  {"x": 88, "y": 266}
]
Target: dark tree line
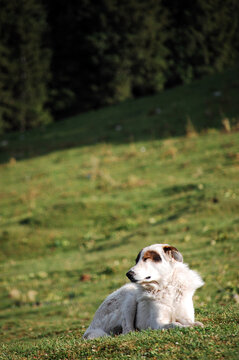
[
  {"x": 24, "y": 65},
  {"x": 63, "y": 57}
]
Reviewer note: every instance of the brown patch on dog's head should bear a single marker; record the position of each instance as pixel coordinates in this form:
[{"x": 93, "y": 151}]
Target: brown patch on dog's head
[
  {"x": 152, "y": 255},
  {"x": 138, "y": 257},
  {"x": 173, "y": 253}
]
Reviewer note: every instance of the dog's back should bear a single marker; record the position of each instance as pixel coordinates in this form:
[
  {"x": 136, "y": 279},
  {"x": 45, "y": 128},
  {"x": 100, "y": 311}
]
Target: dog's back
[{"x": 116, "y": 314}]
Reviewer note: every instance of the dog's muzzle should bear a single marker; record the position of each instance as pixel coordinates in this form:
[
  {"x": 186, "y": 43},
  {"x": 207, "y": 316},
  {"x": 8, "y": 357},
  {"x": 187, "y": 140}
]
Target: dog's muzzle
[{"x": 130, "y": 274}]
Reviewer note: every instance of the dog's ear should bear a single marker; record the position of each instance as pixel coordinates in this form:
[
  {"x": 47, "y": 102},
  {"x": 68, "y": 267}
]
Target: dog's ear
[
  {"x": 172, "y": 253},
  {"x": 138, "y": 257}
]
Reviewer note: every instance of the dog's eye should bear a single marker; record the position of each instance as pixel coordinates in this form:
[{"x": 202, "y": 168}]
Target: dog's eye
[
  {"x": 152, "y": 255},
  {"x": 157, "y": 258}
]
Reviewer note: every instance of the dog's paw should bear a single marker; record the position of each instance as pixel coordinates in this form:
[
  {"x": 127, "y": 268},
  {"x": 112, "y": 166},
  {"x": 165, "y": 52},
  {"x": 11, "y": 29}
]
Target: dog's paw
[
  {"x": 174, "y": 325},
  {"x": 178, "y": 324},
  {"x": 198, "y": 323}
]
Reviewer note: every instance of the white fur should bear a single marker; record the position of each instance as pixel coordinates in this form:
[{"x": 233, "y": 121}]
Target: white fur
[{"x": 160, "y": 297}]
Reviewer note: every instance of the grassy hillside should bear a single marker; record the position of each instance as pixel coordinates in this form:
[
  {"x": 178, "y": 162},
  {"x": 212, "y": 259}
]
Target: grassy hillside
[{"x": 79, "y": 199}]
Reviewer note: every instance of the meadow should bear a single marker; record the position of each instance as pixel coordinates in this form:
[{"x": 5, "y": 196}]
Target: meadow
[{"x": 80, "y": 198}]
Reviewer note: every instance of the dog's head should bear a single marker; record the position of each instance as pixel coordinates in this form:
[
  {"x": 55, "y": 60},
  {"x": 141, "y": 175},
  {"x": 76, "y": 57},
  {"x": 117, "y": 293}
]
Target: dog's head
[{"x": 154, "y": 264}]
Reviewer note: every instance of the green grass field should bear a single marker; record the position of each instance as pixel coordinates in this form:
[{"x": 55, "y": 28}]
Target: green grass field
[{"x": 79, "y": 199}]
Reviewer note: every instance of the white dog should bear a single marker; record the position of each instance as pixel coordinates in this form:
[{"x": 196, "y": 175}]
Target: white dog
[{"x": 159, "y": 297}]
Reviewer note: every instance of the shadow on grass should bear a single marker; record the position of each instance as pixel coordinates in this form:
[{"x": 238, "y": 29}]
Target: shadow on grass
[
  {"x": 187, "y": 109},
  {"x": 113, "y": 244}
]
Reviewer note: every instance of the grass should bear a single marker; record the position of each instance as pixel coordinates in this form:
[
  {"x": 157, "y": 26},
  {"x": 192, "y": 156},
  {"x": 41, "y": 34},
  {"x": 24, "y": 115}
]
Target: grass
[{"x": 80, "y": 198}]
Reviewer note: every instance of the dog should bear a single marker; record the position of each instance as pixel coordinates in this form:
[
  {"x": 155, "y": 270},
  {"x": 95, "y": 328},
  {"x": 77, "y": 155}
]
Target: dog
[{"x": 158, "y": 297}]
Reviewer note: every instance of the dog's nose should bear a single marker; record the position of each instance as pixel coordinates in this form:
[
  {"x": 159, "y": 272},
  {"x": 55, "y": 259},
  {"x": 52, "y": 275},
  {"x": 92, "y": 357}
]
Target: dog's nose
[{"x": 130, "y": 274}]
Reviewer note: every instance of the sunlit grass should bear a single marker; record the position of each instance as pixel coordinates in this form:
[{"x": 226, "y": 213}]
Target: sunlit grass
[{"x": 73, "y": 220}]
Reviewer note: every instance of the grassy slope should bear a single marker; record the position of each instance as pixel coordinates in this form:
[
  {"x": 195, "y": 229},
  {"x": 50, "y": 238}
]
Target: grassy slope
[{"x": 80, "y": 199}]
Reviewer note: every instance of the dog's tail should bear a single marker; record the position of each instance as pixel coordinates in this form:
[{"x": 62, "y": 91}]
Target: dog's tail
[{"x": 196, "y": 280}]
